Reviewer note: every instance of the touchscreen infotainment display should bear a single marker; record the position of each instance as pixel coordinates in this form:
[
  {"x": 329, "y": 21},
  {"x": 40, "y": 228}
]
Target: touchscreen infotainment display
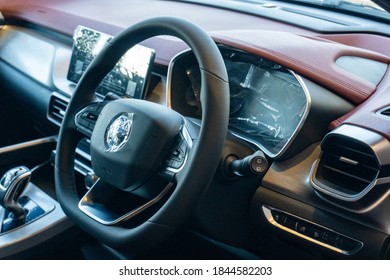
[{"x": 130, "y": 75}]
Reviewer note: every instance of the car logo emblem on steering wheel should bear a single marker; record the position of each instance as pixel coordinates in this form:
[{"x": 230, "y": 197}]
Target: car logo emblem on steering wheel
[{"x": 118, "y": 132}]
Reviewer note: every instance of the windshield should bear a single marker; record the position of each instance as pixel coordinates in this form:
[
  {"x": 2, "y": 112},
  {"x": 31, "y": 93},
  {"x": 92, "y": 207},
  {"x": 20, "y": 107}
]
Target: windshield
[{"x": 364, "y": 7}]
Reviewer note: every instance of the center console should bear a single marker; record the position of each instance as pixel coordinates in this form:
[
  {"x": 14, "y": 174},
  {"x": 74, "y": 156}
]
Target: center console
[{"x": 30, "y": 215}]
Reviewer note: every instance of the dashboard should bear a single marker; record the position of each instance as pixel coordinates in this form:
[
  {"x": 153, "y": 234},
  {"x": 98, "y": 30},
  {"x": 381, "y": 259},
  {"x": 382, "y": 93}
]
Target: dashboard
[
  {"x": 268, "y": 102},
  {"x": 313, "y": 101}
]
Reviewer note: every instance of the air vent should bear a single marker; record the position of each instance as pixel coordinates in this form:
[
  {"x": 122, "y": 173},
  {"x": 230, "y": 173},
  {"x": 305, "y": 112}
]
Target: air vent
[
  {"x": 57, "y": 108},
  {"x": 346, "y": 169},
  {"x": 385, "y": 112}
]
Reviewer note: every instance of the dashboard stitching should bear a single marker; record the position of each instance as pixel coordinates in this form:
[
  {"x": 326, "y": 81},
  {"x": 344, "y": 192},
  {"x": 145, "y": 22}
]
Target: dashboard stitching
[{"x": 326, "y": 75}]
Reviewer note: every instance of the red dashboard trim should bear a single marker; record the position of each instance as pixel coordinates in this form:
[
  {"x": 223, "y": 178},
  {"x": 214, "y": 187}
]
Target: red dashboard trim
[
  {"x": 365, "y": 115},
  {"x": 311, "y": 57},
  {"x": 371, "y": 42}
]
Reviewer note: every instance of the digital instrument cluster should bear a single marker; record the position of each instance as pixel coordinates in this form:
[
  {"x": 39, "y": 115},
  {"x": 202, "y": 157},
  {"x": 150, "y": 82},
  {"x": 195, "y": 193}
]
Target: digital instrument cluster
[{"x": 268, "y": 102}]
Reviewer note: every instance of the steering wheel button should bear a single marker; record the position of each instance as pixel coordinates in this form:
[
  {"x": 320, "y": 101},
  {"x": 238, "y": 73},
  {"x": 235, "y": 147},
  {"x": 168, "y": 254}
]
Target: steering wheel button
[
  {"x": 92, "y": 117},
  {"x": 176, "y": 164},
  {"x": 94, "y": 107},
  {"x": 182, "y": 151},
  {"x": 83, "y": 122},
  {"x": 183, "y": 145},
  {"x": 179, "y": 157},
  {"x": 176, "y": 153}
]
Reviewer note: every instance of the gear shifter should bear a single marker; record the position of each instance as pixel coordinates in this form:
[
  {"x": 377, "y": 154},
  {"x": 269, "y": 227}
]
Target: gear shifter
[{"x": 12, "y": 185}]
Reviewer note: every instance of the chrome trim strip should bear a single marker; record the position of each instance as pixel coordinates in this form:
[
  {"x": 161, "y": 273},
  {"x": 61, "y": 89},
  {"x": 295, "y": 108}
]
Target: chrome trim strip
[
  {"x": 237, "y": 134},
  {"x": 83, "y": 206},
  {"x": 349, "y": 161},
  {"x": 28, "y": 144},
  {"x": 82, "y": 168},
  {"x": 83, "y": 154},
  {"x": 169, "y": 76},
  {"x": 267, "y": 213}
]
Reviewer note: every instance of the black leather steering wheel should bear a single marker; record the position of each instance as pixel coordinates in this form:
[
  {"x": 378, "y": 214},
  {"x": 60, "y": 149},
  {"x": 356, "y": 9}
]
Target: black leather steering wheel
[{"x": 151, "y": 131}]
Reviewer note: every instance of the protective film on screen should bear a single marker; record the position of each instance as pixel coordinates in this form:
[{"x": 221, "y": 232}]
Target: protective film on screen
[
  {"x": 268, "y": 102},
  {"x": 130, "y": 75}
]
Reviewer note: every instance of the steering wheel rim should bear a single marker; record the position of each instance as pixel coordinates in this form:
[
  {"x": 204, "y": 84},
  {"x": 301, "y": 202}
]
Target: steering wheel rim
[{"x": 202, "y": 161}]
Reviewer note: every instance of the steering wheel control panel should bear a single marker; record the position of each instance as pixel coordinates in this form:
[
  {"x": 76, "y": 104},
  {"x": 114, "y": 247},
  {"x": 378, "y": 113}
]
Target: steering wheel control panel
[
  {"x": 86, "y": 118},
  {"x": 179, "y": 151}
]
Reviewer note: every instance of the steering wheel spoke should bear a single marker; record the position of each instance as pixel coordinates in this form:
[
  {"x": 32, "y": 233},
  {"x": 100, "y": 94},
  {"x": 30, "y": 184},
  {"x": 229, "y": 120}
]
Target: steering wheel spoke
[{"x": 111, "y": 206}]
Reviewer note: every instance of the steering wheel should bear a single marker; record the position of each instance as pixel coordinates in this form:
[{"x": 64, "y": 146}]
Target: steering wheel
[{"x": 140, "y": 150}]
